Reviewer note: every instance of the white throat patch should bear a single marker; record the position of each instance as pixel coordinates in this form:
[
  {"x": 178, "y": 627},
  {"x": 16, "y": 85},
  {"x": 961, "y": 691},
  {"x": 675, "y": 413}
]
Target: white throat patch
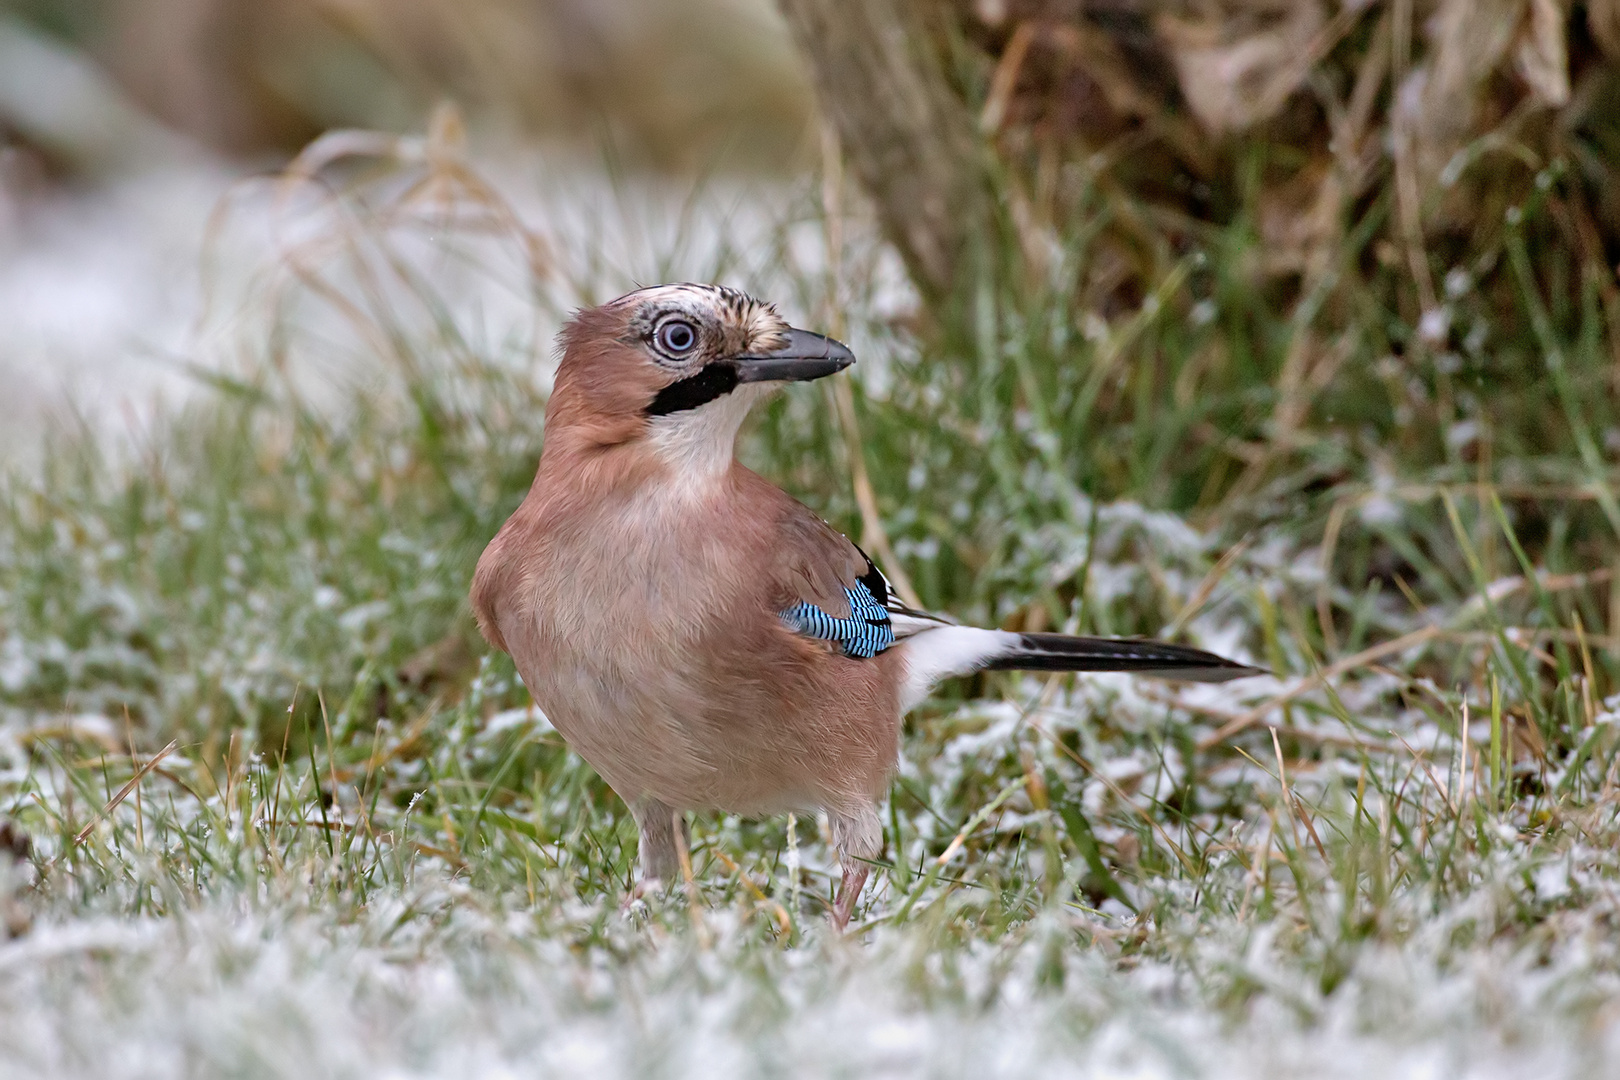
[{"x": 699, "y": 444}]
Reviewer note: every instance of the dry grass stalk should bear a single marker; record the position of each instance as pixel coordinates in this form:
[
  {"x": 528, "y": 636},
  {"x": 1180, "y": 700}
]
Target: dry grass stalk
[{"x": 1454, "y": 105}]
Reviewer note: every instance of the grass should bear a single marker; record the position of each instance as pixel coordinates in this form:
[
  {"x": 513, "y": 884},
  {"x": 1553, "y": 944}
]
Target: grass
[{"x": 288, "y": 817}]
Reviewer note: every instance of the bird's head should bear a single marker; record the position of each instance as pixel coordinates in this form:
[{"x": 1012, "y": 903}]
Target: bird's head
[{"x": 674, "y": 369}]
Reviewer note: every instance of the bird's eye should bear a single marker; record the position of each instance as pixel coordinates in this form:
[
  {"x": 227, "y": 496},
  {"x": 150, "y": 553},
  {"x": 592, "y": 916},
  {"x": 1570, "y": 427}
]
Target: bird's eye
[{"x": 677, "y": 337}]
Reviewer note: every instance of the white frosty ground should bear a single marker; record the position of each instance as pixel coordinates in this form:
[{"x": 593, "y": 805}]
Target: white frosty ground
[
  {"x": 271, "y": 989},
  {"x": 98, "y": 294}
]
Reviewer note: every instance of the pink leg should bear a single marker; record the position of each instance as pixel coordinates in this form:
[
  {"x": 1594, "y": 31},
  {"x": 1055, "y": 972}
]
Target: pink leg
[
  {"x": 849, "y": 891},
  {"x": 659, "y": 859},
  {"x": 858, "y": 835}
]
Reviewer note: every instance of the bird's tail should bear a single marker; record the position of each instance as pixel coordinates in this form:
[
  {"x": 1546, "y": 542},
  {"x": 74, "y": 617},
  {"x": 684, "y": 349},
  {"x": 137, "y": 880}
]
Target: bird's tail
[
  {"x": 934, "y": 650},
  {"x": 1068, "y": 652}
]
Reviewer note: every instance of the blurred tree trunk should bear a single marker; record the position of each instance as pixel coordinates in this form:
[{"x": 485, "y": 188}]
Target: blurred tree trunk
[{"x": 881, "y": 79}]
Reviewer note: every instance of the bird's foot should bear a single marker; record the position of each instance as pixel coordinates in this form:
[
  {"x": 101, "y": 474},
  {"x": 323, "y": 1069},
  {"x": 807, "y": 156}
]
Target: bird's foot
[{"x": 634, "y": 904}]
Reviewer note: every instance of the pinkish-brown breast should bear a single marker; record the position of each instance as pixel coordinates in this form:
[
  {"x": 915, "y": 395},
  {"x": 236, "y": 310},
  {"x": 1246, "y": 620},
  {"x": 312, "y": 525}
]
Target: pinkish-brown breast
[{"x": 645, "y": 624}]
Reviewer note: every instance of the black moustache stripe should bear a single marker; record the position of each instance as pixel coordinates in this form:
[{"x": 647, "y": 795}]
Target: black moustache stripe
[{"x": 714, "y": 381}]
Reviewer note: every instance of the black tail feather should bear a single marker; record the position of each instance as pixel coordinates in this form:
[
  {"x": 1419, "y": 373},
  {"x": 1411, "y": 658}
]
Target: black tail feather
[{"x": 1066, "y": 652}]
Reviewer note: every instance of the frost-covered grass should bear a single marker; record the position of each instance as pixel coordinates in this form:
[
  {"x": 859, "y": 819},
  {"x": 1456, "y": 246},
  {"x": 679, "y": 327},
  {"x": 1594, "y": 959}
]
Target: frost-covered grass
[{"x": 287, "y": 817}]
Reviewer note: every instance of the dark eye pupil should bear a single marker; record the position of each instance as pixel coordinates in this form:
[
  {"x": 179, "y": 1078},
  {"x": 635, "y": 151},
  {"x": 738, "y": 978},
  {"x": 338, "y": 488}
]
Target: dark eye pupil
[{"x": 678, "y": 337}]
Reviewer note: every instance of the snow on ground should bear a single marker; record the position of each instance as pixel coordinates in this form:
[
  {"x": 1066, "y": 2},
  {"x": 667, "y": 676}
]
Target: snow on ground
[
  {"x": 284, "y": 992},
  {"x": 98, "y": 296}
]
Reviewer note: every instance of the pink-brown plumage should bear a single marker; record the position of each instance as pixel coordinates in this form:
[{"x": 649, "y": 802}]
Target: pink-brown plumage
[
  {"x": 648, "y": 630},
  {"x": 644, "y": 587},
  {"x": 639, "y": 593}
]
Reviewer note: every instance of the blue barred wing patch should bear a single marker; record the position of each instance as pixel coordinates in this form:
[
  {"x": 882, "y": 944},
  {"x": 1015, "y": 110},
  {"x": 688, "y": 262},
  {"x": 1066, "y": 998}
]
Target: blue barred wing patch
[{"x": 863, "y": 635}]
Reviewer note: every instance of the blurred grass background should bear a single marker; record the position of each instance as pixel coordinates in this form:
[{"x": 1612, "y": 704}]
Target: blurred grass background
[
  {"x": 1287, "y": 329},
  {"x": 677, "y": 85}
]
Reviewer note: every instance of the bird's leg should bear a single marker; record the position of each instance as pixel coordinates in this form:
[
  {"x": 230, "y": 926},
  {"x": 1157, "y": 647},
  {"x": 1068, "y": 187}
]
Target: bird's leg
[
  {"x": 849, "y": 890},
  {"x": 660, "y": 861},
  {"x": 858, "y": 835}
]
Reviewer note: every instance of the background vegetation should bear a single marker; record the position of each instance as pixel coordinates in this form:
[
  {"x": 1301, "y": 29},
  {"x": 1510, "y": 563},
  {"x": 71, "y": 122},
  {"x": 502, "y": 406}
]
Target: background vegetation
[{"x": 1201, "y": 368}]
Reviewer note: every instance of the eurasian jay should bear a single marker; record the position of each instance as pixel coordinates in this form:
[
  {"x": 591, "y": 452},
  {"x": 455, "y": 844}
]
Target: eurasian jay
[{"x": 700, "y": 637}]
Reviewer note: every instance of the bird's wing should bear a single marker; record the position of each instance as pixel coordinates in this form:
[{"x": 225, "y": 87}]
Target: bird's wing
[
  {"x": 828, "y": 589},
  {"x": 814, "y": 562}
]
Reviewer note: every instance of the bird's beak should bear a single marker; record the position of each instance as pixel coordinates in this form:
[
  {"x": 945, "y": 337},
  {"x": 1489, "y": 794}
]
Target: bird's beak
[{"x": 806, "y": 356}]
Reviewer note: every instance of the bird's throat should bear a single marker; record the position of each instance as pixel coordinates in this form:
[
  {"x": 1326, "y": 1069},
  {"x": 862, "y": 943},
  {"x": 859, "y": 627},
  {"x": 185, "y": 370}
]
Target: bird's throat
[{"x": 698, "y": 445}]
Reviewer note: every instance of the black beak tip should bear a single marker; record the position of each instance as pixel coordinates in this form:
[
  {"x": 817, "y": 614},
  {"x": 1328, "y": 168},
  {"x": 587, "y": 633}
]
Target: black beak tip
[
  {"x": 806, "y": 345},
  {"x": 805, "y": 356}
]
